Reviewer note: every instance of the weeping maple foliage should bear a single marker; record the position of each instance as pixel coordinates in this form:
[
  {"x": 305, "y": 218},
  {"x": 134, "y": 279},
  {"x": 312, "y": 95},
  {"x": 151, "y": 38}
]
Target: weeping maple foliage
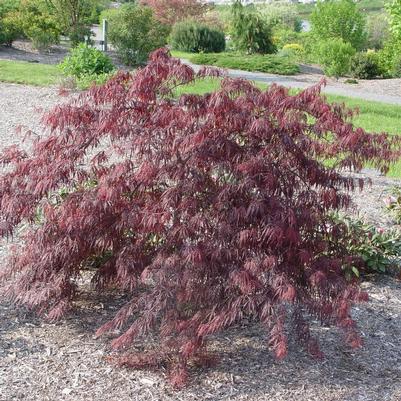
[{"x": 206, "y": 209}]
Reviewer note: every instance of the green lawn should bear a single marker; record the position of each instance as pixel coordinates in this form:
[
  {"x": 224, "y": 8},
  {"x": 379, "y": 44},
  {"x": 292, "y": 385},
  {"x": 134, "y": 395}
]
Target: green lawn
[{"x": 22, "y": 72}]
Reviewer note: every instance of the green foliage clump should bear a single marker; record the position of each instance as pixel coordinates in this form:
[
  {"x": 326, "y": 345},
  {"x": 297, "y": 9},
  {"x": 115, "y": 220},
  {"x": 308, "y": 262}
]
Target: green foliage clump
[
  {"x": 74, "y": 17},
  {"x": 379, "y": 250},
  {"x": 250, "y": 32},
  {"x": 365, "y": 65},
  {"x": 193, "y": 37},
  {"x": 134, "y": 32},
  {"x": 393, "y": 8},
  {"x": 9, "y": 27},
  {"x": 335, "y": 56},
  {"x": 273, "y": 64},
  {"x": 87, "y": 65},
  {"x": 84, "y": 60},
  {"x": 339, "y": 19},
  {"x": 390, "y": 59}
]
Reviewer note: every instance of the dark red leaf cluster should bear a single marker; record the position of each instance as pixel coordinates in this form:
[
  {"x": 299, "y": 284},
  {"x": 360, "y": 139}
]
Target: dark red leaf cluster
[{"x": 206, "y": 209}]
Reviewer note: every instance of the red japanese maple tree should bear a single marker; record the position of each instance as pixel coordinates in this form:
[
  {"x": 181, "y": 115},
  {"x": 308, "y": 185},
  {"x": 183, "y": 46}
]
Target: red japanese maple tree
[
  {"x": 206, "y": 209},
  {"x": 171, "y": 11}
]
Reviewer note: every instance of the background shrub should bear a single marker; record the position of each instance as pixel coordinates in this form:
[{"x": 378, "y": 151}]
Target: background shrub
[
  {"x": 389, "y": 59},
  {"x": 134, "y": 32},
  {"x": 339, "y": 19},
  {"x": 365, "y": 65},
  {"x": 192, "y": 37},
  {"x": 38, "y": 23},
  {"x": 10, "y": 28},
  {"x": 84, "y": 60},
  {"x": 335, "y": 56},
  {"x": 250, "y": 33}
]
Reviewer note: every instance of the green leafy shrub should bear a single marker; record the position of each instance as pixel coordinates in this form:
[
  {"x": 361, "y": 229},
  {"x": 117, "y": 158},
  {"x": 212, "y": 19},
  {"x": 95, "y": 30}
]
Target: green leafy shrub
[
  {"x": 85, "y": 60},
  {"x": 10, "y": 29},
  {"x": 378, "y": 250},
  {"x": 192, "y": 37},
  {"x": 134, "y": 32},
  {"x": 339, "y": 19},
  {"x": 389, "y": 59},
  {"x": 365, "y": 65},
  {"x": 250, "y": 32},
  {"x": 273, "y": 64},
  {"x": 38, "y": 24},
  {"x": 9, "y": 25},
  {"x": 335, "y": 56}
]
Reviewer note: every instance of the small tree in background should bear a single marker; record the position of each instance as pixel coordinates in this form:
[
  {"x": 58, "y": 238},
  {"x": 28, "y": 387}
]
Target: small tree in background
[
  {"x": 73, "y": 17},
  {"x": 169, "y": 12},
  {"x": 250, "y": 32},
  {"x": 10, "y": 28},
  {"x": 339, "y": 19},
  {"x": 134, "y": 32},
  {"x": 207, "y": 210},
  {"x": 38, "y": 23}
]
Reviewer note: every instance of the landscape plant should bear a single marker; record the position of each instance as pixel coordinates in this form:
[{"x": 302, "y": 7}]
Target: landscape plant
[
  {"x": 378, "y": 249},
  {"x": 38, "y": 24},
  {"x": 73, "y": 17},
  {"x": 193, "y": 37},
  {"x": 250, "y": 32},
  {"x": 87, "y": 65},
  {"x": 207, "y": 210},
  {"x": 84, "y": 60},
  {"x": 365, "y": 65},
  {"x": 339, "y": 19},
  {"x": 335, "y": 56},
  {"x": 9, "y": 28},
  {"x": 134, "y": 32}
]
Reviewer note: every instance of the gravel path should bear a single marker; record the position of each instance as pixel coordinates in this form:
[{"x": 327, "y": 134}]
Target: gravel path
[{"x": 41, "y": 361}]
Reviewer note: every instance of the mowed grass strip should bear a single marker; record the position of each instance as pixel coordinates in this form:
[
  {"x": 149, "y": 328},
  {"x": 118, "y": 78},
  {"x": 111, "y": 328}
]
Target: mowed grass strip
[{"x": 22, "y": 72}]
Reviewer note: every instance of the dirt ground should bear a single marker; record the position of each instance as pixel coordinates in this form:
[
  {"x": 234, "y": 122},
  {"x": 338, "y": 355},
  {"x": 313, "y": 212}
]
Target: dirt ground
[{"x": 48, "y": 362}]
